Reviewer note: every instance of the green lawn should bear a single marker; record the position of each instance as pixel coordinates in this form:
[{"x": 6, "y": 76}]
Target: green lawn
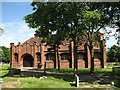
[
  {"x": 5, "y": 66},
  {"x": 86, "y": 71},
  {"x": 33, "y": 82},
  {"x": 4, "y": 72},
  {"x": 4, "y": 69},
  {"x": 69, "y": 70},
  {"x": 113, "y": 64},
  {"x": 81, "y": 71},
  {"x": 49, "y": 82}
]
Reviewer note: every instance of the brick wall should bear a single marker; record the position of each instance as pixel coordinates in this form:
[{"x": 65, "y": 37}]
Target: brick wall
[
  {"x": 64, "y": 64},
  {"x": 81, "y": 64},
  {"x": 34, "y": 46},
  {"x": 50, "y": 64}
]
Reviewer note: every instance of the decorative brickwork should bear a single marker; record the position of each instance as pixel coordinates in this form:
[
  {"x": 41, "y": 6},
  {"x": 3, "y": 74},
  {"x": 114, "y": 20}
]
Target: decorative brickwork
[{"x": 33, "y": 53}]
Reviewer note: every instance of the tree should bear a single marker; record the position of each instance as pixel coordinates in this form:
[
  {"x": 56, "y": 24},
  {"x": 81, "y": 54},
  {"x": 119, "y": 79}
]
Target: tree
[
  {"x": 0, "y": 54},
  {"x": 109, "y": 14},
  {"x": 75, "y": 20},
  {"x": 113, "y": 54},
  {"x": 5, "y": 54},
  {"x": 91, "y": 23},
  {"x": 118, "y": 30},
  {"x": 48, "y": 25},
  {"x": 60, "y": 18},
  {"x": 54, "y": 41}
]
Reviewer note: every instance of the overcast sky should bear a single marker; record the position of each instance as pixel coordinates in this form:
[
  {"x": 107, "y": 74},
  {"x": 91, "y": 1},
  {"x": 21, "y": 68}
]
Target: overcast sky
[{"x": 16, "y": 30}]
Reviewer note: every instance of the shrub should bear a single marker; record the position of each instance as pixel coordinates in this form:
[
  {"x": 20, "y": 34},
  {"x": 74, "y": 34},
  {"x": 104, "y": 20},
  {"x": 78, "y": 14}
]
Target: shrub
[{"x": 16, "y": 71}]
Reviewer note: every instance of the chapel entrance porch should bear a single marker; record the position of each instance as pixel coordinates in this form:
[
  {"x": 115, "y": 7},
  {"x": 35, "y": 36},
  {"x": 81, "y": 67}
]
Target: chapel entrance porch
[{"x": 28, "y": 60}]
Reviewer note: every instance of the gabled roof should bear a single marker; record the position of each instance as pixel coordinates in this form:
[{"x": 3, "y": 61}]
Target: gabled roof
[
  {"x": 38, "y": 41},
  {"x": 32, "y": 40}
]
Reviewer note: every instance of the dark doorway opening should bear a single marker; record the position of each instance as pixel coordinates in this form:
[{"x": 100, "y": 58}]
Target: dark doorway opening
[{"x": 28, "y": 61}]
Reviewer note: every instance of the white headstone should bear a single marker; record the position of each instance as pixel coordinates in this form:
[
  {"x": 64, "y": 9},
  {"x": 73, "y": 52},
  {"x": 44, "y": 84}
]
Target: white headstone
[{"x": 77, "y": 80}]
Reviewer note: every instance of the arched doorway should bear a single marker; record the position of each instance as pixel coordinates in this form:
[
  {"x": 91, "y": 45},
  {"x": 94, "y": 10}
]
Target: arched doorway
[{"x": 28, "y": 60}]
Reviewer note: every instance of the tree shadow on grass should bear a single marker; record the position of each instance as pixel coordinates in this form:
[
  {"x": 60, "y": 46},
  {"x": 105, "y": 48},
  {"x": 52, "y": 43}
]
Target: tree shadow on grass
[
  {"x": 65, "y": 77},
  {"x": 117, "y": 83},
  {"x": 67, "y": 74}
]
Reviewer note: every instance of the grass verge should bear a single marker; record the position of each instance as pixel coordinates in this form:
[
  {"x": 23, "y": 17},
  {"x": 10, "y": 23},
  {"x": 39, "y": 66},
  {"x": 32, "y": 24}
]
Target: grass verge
[
  {"x": 33, "y": 82},
  {"x": 86, "y": 71},
  {"x": 5, "y": 68}
]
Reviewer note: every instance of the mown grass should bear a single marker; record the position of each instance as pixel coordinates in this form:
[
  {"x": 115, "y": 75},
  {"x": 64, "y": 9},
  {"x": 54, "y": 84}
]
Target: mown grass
[
  {"x": 33, "y": 82},
  {"x": 113, "y": 64},
  {"x": 38, "y": 75},
  {"x": 3, "y": 72},
  {"x": 86, "y": 71},
  {"x": 50, "y": 82},
  {"x": 4, "y": 69},
  {"x": 5, "y": 66},
  {"x": 81, "y": 71},
  {"x": 68, "y": 70}
]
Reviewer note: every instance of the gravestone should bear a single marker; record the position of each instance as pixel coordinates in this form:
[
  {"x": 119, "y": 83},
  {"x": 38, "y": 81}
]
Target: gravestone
[{"x": 76, "y": 80}]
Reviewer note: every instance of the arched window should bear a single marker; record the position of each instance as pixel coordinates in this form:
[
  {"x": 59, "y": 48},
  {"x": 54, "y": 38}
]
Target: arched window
[
  {"x": 64, "y": 56},
  {"x": 50, "y": 56},
  {"x": 16, "y": 57},
  {"x": 80, "y": 56},
  {"x": 38, "y": 57}
]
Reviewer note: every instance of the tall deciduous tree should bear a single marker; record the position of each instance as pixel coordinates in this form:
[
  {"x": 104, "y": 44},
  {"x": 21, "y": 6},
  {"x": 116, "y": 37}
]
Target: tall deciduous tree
[
  {"x": 75, "y": 20},
  {"x": 5, "y": 54},
  {"x": 109, "y": 14},
  {"x": 113, "y": 54},
  {"x": 54, "y": 41},
  {"x": 91, "y": 21},
  {"x": 60, "y": 18}
]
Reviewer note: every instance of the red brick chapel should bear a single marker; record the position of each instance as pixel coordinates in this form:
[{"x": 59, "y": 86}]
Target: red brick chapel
[{"x": 33, "y": 53}]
